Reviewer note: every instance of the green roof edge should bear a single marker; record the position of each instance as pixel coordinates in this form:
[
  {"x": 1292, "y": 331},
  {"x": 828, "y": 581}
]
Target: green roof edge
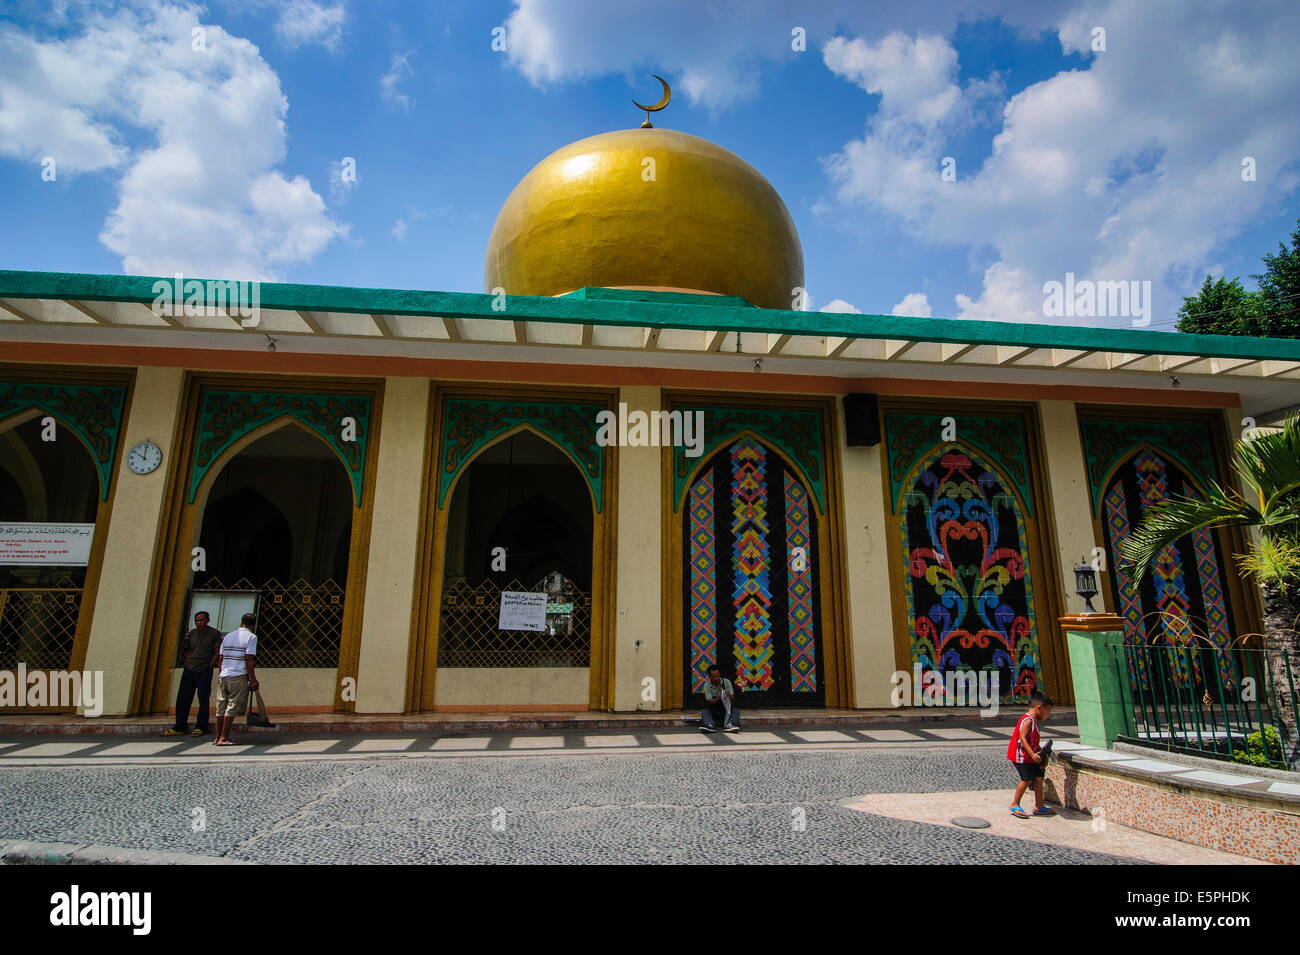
[{"x": 657, "y": 312}]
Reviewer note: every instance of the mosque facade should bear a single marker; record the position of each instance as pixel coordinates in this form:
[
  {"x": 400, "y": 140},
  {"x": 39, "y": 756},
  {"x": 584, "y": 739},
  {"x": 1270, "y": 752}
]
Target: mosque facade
[{"x": 633, "y": 456}]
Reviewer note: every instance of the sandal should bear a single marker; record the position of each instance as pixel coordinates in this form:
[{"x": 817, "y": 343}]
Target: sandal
[
  {"x": 1044, "y": 811},
  {"x": 1019, "y": 812}
]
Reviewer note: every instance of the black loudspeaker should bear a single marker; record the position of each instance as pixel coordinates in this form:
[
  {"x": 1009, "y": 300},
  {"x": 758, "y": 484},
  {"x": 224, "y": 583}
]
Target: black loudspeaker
[{"x": 862, "y": 420}]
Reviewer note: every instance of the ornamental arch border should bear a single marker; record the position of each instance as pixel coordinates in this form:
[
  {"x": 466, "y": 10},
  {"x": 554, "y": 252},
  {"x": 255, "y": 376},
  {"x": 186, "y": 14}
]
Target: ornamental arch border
[
  {"x": 1244, "y": 600},
  {"x": 837, "y": 661},
  {"x": 182, "y": 520},
  {"x": 1038, "y": 517},
  {"x": 422, "y": 672},
  {"x": 81, "y": 377}
]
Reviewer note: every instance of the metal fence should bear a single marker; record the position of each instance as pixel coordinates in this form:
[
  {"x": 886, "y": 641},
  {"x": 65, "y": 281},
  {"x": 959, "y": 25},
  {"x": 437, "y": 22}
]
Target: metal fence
[
  {"x": 298, "y": 624},
  {"x": 1232, "y": 702},
  {"x": 38, "y": 626},
  {"x": 470, "y": 636}
]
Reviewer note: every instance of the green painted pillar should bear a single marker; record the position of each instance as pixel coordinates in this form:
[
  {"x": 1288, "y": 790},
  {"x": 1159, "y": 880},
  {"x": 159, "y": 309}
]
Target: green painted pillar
[{"x": 1095, "y": 664}]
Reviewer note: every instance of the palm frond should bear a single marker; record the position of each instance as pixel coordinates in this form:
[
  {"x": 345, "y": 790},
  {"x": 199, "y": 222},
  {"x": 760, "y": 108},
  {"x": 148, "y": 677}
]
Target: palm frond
[
  {"x": 1273, "y": 560},
  {"x": 1271, "y": 462},
  {"x": 1176, "y": 517}
]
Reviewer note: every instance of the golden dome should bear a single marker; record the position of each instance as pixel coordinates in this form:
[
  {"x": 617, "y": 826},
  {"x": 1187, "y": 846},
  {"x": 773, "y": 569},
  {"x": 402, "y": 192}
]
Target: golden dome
[{"x": 597, "y": 213}]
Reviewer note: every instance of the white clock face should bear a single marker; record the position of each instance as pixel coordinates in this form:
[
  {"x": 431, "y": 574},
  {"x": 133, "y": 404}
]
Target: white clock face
[{"x": 144, "y": 458}]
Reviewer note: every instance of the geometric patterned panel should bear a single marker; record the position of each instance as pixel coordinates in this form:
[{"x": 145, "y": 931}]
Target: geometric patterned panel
[
  {"x": 750, "y": 602},
  {"x": 1183, "y": 595},
  {"x": 799, "y": 589},
  {"x": 701, "y": 565},
  {"x": 1108, "y": 443},
  {"x": 970, "y": 597},
  {"x": 798, "y": 434},
  {"x": 751, "y": 581}
]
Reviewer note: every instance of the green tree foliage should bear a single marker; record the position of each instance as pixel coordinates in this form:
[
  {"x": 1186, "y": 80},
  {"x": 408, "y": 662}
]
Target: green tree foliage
[{"x": 1224, "y": 307}]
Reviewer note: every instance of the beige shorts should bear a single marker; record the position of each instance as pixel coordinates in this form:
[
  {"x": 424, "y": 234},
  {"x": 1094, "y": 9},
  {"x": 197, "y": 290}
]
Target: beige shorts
[{"x": 232, "y": 695}]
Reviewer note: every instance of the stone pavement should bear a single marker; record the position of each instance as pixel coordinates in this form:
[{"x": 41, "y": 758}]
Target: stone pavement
[
  {"x": 1067, "y": 828},
  {"x": 773, "y": 795},
  {"x": 79, "y": 750}
]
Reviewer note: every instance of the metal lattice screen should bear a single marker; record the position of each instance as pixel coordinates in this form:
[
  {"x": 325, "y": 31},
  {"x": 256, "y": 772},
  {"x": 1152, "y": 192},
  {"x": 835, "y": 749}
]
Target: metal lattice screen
[
  {"x": 38, "y": 626},
  {"x": 469, "y": 636},
  {"x": 298, "y": 624}
]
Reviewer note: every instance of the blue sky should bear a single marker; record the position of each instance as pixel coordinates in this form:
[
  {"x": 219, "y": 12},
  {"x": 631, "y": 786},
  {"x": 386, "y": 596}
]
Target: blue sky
[{"x": 1114, "y": 164}]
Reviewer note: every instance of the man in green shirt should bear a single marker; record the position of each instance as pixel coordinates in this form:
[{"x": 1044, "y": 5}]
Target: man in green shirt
[
  {"x": 719, "y": 705},
  {"x": 198, "y": 656}
]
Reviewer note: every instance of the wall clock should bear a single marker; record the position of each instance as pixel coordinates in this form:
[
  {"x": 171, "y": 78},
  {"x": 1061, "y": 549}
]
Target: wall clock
[{"x": 144, "y": 458}]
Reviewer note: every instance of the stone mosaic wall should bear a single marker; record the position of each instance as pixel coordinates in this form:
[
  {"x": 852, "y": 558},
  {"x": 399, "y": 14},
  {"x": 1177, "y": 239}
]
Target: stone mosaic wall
[{"x": 1261, "y": 833}]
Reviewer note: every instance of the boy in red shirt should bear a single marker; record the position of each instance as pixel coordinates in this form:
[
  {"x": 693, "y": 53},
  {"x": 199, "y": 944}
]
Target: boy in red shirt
[{"x": 1024, "y": 753}]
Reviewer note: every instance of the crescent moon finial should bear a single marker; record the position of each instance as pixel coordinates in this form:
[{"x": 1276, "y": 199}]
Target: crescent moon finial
[{"x": 668, "y": 94}]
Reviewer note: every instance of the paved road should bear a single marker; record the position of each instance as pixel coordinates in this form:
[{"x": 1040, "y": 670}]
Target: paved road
[
  {"x": 82, "y": 749},
  {"x": 708, "y": 799}
]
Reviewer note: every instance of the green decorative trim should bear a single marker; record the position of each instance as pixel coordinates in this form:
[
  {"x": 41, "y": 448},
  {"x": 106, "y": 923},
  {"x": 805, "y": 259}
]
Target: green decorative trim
[
  {"x": 227, "y": 416},
  {"x": 592, "y": 294},
  {"x": 999, "y": 441},
  {"x": 469, "y": 424},
  {"x": 1107, "y": 443},
  {"x": 797, "y": 434},
  {"x": 93, "y": 412},
  {"x": 667, "y": 310}
]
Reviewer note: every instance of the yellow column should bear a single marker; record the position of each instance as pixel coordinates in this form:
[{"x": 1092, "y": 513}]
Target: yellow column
[
  {"x": 122, "y": 597},
  {"x": 1067, "y": 479},
  {"x": 394, "y": 535},
  {"x": 636, "y": 629},
  {"x": 866, "y": 547}
]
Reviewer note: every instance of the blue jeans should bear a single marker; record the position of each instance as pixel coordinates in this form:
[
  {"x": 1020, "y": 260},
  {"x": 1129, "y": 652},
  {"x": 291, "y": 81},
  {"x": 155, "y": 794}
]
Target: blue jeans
[{"x": 713, "y": 714}]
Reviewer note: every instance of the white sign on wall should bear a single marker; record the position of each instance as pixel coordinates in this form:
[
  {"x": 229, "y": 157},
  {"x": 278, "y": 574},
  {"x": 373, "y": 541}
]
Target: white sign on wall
[
  {"x": 54, "y": 545},
  {"x": 522, "y": 610}
]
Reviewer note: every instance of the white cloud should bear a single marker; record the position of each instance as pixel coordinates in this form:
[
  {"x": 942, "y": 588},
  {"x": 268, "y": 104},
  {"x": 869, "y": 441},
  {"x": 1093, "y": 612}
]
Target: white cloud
[
  {"x": 1128, "y": 169},
  {"x": 916, "y": 304},
  {"x": 399, "y": 69},
  {"x": 912, "y": 75},
  {"x": 715, "y": 53},
  {"x": 404, "y": 223},
  {"x": 305, "y": 22},
  {"x": 201, "y": 194},
  {"x": 839, "y": 305}
]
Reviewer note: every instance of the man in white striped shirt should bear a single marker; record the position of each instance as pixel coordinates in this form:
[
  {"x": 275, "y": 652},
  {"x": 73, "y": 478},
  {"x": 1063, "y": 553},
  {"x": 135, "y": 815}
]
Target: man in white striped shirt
[{"x": 238, "y": 676}]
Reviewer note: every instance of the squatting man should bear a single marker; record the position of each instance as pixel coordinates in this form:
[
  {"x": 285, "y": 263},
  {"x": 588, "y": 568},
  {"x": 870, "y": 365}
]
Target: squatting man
[{"x": 719, "y": 705}]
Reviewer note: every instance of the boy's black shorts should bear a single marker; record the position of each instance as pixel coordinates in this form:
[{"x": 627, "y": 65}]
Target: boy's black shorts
[{"x": 1029, "y": 771}]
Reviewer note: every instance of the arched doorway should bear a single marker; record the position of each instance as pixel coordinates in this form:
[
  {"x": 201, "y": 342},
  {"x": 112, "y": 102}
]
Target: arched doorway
[
  {"x": 1185, "y": 595},
  {"x": 970, "y": 594},
  {"x": 44, "y": 483},
  {"x": 269, "y": 531},
  {"x": 520, "y": 519},
  {"x": 751, "y": 573}
]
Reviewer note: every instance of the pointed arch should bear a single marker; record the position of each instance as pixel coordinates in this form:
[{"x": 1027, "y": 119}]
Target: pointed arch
[
  {"x": 751, "y": 572},
  {"x": 226, "y": 417},
  {"x": 448, "y": 493},
  {"x": 721, "y": 445},
  {"x": 22, "y": 417},
  {"x": 969, "y": 585},
  {"x": 92, "y": 412},
  {"x": 1154, "y": 447},
  {"x": 201, "y": 487},
  {"x": 468, "y": 423}
]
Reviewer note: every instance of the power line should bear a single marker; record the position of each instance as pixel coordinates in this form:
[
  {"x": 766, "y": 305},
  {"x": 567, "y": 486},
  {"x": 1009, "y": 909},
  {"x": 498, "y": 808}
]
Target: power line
[{"x": 1223, "y": 311}]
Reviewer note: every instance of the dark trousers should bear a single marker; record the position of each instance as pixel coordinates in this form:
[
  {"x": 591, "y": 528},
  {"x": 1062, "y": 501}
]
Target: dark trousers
[
  {"x": 714, "y": 715},
  {"x": 192, "y": 682}
]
